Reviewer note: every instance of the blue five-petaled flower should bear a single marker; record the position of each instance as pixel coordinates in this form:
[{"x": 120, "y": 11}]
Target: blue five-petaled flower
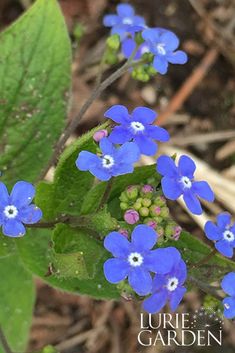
[
  {"x": 179, "y": 181},
  {"x": 136, "y": 127},
  {"x": 112, "y": 162},
  {"x": 167, "y": 287},
  {"x": 124, "y": 22},
  {"x": 223, "y": 234},
  {"x": 162, "y": 44},
  {"x": 16, "y": 209},
  {"x": 136, "y": 260},
  {"x": 228, "y": 285}
]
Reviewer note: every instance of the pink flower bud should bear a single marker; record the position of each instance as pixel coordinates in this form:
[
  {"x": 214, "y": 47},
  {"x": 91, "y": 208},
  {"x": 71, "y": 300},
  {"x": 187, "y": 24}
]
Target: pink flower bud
[
  {"x": 123, "y": 232},
  {"x": 152, "y": 224},
  {"x": 177, "y": 232},
  {"x": 131, "y": 216},
  {"x": 98, "y": 135},
  {"x": 147, "y": 188}
]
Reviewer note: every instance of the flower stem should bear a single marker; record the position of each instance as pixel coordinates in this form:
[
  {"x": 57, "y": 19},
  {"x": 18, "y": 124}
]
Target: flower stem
[
  {"x": 206, "y": 288},
  {"x": 4, "y": 342},
  {"x": 106, "y": 194},
  {"x": 204, "y": 260}
]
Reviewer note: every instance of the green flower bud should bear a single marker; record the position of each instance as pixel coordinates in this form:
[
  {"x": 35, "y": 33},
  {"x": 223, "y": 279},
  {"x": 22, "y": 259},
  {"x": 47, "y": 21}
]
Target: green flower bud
[
  {"x": 160, "y": 231},
  {"x": 113, "y": 42},
  {"x": 169, "y": 229},
  {"x": 124, "y": 206},
  {"x": 138, "y": 38},
  {"x": 147, "y": 191},
  {"x": 160, "y": 201},
  {"x": 146, "y": 202},
  {"x": 155, "y": 210},
  {"x": 123, "y": 197},
  {"x": 158, "y": 219},
  {"x": 137, "y": 205},
  {"x": 78, "y": 32},
  {"x": 144, "y": 211},
  {"x": 165, "y": 212},
  {"x": 110, "y": 57},
  {"x": 132, "y": 192}
]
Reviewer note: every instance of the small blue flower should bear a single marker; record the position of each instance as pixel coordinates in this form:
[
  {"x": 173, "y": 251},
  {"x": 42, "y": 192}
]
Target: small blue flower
[
  {"x": 129, "y": 45},
  {"x": 16, "y": 209},
  {"x": 125, "y": 22},
  {"x": 113, "y": 162},
  {"x": 179, "y": 181},
  {"x": 228, "y": 285},
  {"x": 167, "y": 287},
  {"x": 136, "y": 127},
  {"x": 135, "y": 259},
  {"x": 163, "y": 44},
  {"x": 223, "y": 234}
]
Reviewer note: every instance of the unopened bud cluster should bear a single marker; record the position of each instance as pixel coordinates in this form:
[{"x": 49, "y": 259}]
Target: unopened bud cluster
[
  {"x": 112, "y": 49},
  {"x": 142, "y": 204}
]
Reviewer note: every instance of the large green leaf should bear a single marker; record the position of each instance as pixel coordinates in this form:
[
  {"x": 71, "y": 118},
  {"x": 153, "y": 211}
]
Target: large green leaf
[
  {"x": 35, "y": 251},
  {"x": 35, "y": 64},
  {"x": 7, "y": 246},
  {"x": 17, "y": 297}
]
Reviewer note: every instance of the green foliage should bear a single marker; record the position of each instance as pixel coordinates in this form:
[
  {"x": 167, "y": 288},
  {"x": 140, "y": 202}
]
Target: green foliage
[
  {"x": 7, "y": 246},
  {"x": 35, "y": 69},
  {"x": 16, "y": 303},
  {"x": 66, "y": 194}
]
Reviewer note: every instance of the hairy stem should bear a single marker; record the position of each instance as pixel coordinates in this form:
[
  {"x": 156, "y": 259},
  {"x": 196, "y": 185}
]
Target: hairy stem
[
  {"x": 106, "y": 194},
  {"x": 4, "y": 342},
  {"x": 204, "y": 260},
  {"x": 206, "y": 288}
]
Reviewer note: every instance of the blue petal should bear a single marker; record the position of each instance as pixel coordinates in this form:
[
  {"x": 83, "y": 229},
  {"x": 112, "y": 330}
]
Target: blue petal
[
  {"x": 176, "y": 297},
  {"x": 224, "y": 248},
  {"x": 155, "y": 302},
  {"x": 159, "y": 281},
  {"x": 166, "y": 166},
  {"x": 160, "y": 64},
  {"x": 143, "y": 238},
  {"x": 115, "y": 270},
  {"x": 120, "y": 134},
  {"x": 139, "y": 21},
  {"x": 13, "y": 228},
  {"x": 146, "y": 145},
  {"x": 117, "y": 244},
  {"x": 30, "y": 214},
  {"x": 121, "y": 30},
  {"x": 22, "y": 194},
  {"x": 180, "y": 272},
  {"x": 192, "y": 203},
  {"x": 230, "y": 312},
  {"x": 178, "y": 57},
  {"x": 162, "y": 260},
  {"x": 122, "y": 169},
  {"x": 86, "y": 159},
  {"x": 118, "y": 113},
  {"x": 144, "y": 115},
  {"x": 170, "y": 40},
  {"x": 157, "y": 133},
  {"x": 223, "y": 220},
  {"x": 203, "y": 190},
  {"x": 125, "y": 10},
  {"x": 111, "y": 20},
  {"x": 128, "y": 46},
  {"x": 140, "y": 280},
  {"x": 228, "y": 284},
  {"x": 100, "y": 173},
  {"x": 128, "y": 153},
  {"x": 212, "y": 231},
  {"x": 187, "y": 166},
  {"x": 151, "y": 35},
  {"x": 4, "y": 196},
  {"x": 171, "y": 188},
  {"x": 106, "y": 146}
]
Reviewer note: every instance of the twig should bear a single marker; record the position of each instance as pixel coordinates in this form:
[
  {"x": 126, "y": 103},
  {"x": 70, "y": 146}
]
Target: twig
[
  {"x": 189, "y": 85},
  {"x": 4, "y": 342}
]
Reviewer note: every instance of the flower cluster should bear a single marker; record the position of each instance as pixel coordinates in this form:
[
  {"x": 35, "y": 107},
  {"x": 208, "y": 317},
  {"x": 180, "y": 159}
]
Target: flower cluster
[
  {"x": 158, "y": 46},
  {"x": 16, "y": 209},
  {"x": 136, "y": 261}
]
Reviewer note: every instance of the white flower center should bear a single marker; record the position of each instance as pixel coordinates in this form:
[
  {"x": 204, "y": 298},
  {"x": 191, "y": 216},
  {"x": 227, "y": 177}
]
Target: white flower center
[
  {"x": 187, "y": 184},
  {"x": 172, "y": 284},
  {"x": 107, "y": 161},
  {"x": 135, "y": 259},
  {"x": 226, "y": 306},
  {"x": 144, "y": 49},
  {"x": 228, "y": 235},
  {"x": 127, "y": 21},
  {"x": 160, "y": 48},
  {"x": 10, "y": 211},
  {"x": 137, "y": 126}
]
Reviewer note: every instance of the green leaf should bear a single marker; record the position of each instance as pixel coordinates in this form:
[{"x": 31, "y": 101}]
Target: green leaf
[
  {"x": 140, "y": 175},
  {"x": 70, "y": 185},
  {"x": 7, "y": 246},
  {"x": 35, "y": 69},
  {"x": 193, "y": 251},
  {"x": 35, "y": 252},
  {"x": 17, "y": 301}
]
